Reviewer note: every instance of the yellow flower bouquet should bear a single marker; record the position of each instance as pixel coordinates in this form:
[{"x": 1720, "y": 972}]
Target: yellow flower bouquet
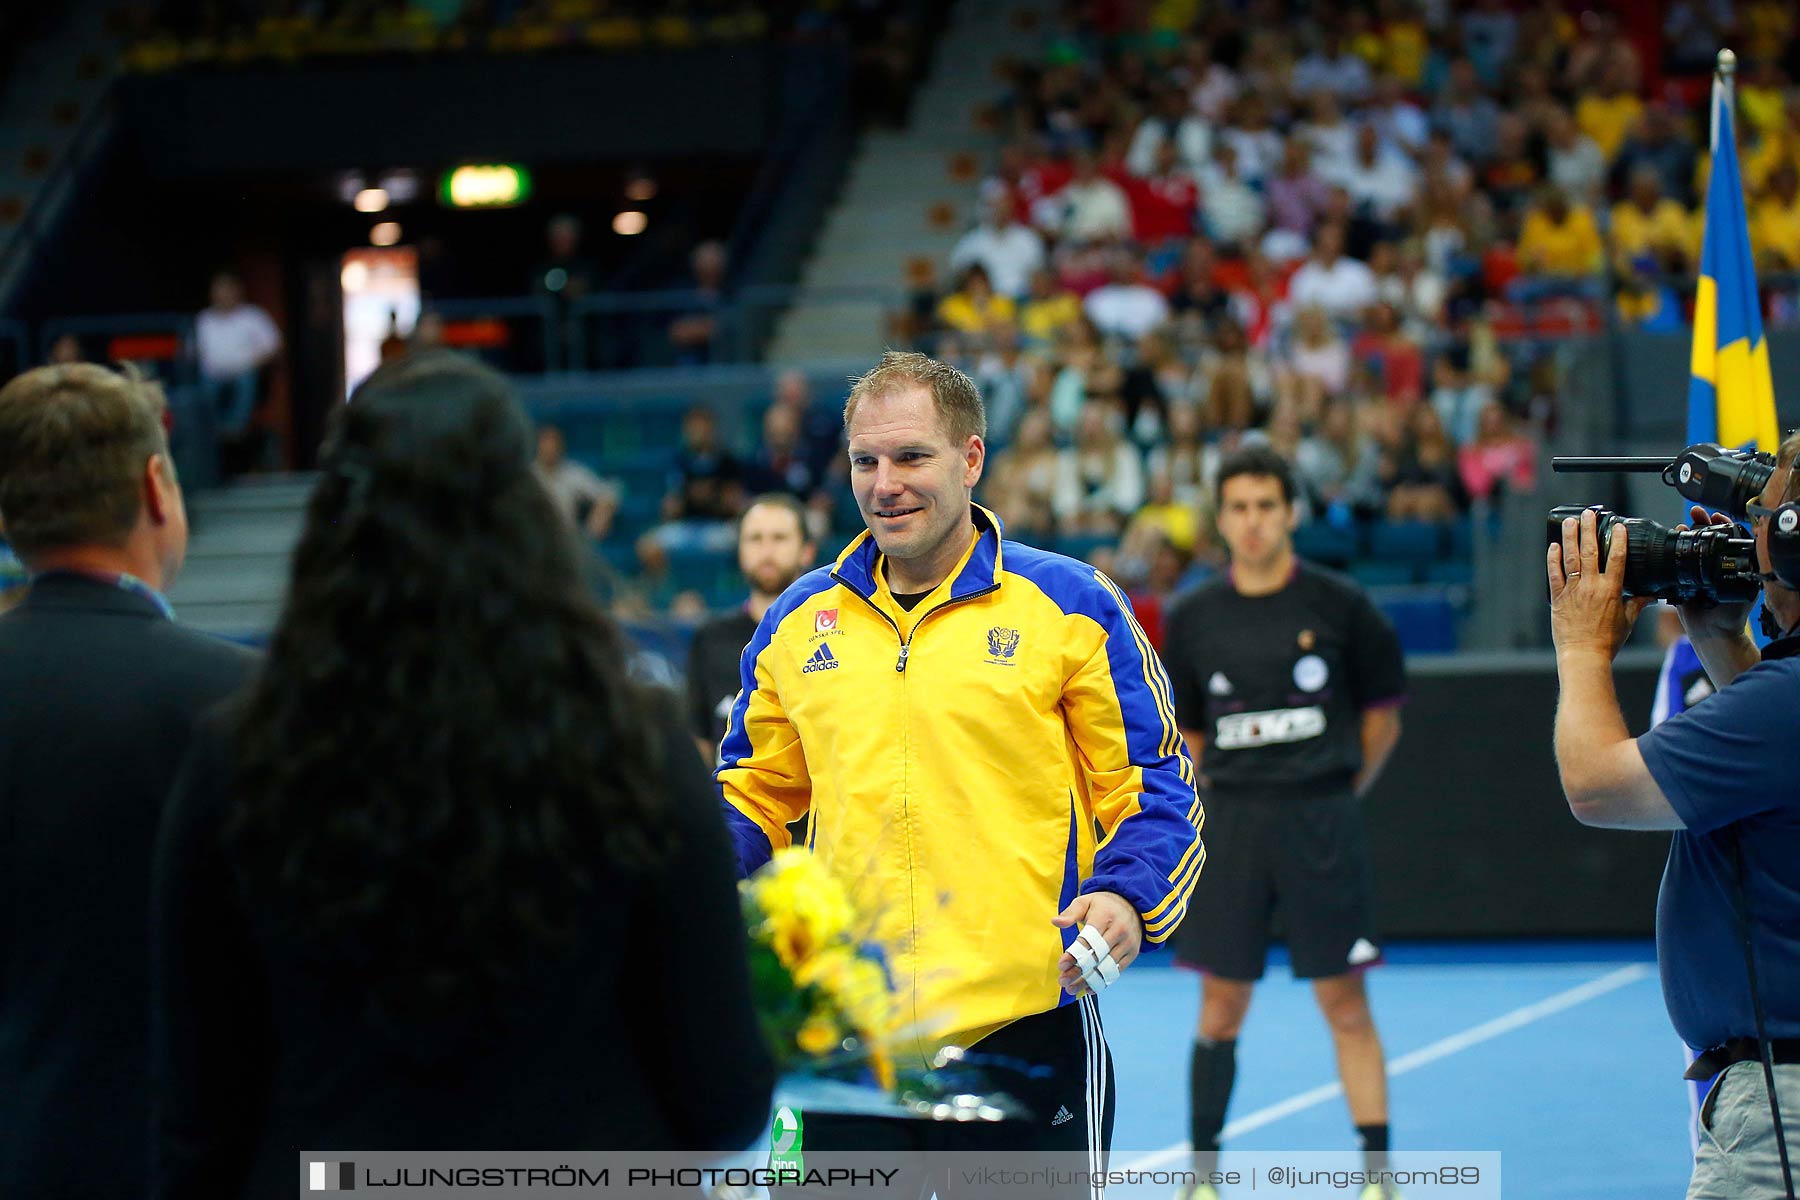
[{"x": 821, "y": 986}]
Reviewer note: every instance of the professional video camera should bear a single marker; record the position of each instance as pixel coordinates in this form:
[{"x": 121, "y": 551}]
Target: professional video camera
[{"x": 1712, "y": 564}]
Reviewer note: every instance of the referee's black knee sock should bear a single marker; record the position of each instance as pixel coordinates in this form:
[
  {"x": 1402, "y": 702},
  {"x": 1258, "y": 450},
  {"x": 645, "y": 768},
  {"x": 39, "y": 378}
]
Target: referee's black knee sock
[
  {"x": 1374, "y": 1142},
  {"x": 1211, "y": 1073}
]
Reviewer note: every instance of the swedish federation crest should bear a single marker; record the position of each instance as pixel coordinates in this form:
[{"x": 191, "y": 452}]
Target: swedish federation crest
[{"x": 1002, "y": 643}]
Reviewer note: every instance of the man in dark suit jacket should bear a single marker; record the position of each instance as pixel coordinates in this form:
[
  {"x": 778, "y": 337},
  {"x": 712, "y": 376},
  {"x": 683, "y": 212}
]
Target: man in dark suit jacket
[{"x": 99, "y": 690}]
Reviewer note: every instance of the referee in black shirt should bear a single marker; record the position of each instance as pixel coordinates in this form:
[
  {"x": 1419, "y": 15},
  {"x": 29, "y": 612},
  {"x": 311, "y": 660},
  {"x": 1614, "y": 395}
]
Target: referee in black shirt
[
  {"x": 1287, "y": 687},
  {"x": 773, "y": 549}
]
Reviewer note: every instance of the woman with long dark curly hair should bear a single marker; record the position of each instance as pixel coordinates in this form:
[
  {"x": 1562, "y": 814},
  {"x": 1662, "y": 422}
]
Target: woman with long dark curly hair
[{"x": 443, "y": 876}]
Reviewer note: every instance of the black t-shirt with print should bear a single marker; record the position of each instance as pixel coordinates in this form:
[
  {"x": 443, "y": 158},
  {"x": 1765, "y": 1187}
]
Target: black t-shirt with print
[
  {"x": 713, "y": 671},
  {"x": 1278, "y": 683}
]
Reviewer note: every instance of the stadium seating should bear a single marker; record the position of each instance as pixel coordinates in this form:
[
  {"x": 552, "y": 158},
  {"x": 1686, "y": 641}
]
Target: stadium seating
[
  {"x": 1321, "y": 542},
  {"x": 1412, "y": 543}
]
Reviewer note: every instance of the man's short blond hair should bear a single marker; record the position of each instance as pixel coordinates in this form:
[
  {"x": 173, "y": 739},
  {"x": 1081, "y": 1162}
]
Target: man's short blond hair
[
  {"x": 957, "y": 398},
  {"x": 74, "y": 440}
]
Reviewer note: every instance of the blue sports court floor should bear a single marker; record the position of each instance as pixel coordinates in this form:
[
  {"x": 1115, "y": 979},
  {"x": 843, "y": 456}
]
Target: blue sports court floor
[{"x": 1558, "y": 1055}]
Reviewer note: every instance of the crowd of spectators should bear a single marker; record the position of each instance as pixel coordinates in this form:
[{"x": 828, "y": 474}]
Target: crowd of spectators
[
  {"x": 1321, "y": 228},
  {"x": 696, "y": 497},
  {"x": 167, "y": 35}
]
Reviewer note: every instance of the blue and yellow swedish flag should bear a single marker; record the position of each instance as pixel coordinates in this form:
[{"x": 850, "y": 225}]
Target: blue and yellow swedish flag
[{"x": 1731, "y": 399}]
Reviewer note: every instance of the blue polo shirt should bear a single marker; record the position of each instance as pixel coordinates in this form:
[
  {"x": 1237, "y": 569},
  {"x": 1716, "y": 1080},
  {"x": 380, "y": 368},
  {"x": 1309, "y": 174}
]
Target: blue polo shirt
[{"x": 1731, "y": 769}]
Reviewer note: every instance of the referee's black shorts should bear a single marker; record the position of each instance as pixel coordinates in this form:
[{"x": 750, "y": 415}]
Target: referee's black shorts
[{"x": 1304, "y": 856}]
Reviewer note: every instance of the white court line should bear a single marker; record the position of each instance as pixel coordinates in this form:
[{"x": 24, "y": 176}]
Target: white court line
[
  {"x": 1476, "y": 972},
  {"x": 1442, "y": 1048}
]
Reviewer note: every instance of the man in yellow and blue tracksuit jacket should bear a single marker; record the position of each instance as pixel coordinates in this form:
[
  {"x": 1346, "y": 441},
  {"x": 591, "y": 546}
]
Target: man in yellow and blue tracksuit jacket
[{"x": 955, "y": 751}]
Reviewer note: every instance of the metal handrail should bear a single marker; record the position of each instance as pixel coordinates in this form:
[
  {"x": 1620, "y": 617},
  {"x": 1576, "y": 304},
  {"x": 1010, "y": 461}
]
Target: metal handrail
[
  {"x": 561, "y": 322},
  {"x": 175, "y": 322},
  {"x": 538, "y": 307},
  {"x": 180, "y": 324},
  {"x": 500, "y": 306},
  {"x": 752, "y": 295},
  {"x": 650, "y": 301}
]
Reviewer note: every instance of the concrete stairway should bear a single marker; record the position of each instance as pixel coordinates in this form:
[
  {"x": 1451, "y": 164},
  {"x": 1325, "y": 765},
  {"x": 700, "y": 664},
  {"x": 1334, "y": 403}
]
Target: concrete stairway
[
  {"x": 910, "y": 194},
  {"x": 243, "y": 537}
]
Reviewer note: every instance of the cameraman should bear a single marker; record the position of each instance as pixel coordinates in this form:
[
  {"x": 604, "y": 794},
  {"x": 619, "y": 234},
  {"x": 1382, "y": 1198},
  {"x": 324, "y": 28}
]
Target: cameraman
[{"x": 1726, "y": 777}]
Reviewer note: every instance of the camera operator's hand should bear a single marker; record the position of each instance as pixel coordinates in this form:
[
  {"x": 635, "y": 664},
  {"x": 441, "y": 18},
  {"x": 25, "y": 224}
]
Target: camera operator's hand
[
  {"x": 1588, "y": 608},
  {"x": 1704, "y": 622}
]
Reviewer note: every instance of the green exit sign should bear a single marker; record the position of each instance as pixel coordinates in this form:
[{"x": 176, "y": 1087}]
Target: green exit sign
[{"x": 496, "y": 185}]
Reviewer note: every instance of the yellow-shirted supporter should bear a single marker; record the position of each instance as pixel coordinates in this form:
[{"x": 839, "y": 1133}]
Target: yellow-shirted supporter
[
  {"x": 1758, "y": 156},
  {"x": 1649, "y": 225},
  {"x": 1559, "y": 238},
  {"x": 1608, "y": 117},
  {"x": 1775, "y": 222},
  {"x": 975, "y": 307},
  {"x": 1049, "y": 309},
  {"x": 1404, "y": 48},
  {"x": 1760, "y": 96}
]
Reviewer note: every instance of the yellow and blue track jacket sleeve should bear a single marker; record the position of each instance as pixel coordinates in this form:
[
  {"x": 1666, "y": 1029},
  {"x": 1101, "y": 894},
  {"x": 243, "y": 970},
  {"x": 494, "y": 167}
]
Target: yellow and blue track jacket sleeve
[
  {"x": 1120, "y": 715},
  {"x": 762, "y": 771}
]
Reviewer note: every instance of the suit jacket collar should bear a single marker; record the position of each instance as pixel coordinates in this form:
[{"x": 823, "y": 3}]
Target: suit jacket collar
[{"x": 69, "y": 591}]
